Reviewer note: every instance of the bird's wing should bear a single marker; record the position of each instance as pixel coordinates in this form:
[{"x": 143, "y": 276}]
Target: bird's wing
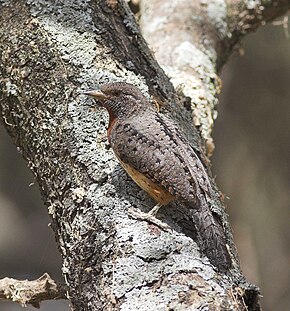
[
  {"x": 155, "y": 147},
  {"x": 192, "y": 160}
]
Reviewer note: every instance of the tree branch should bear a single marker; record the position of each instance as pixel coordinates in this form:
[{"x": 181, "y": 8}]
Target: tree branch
[
  {"x": 31, "y": 292},
  {"x": 246, "y": 16},
  {"x": 193, "y": 39}
]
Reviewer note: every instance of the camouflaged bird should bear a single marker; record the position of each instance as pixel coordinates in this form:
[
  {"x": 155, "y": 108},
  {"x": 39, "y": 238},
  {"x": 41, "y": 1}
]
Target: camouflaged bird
[{"x": 157, "y": 156}]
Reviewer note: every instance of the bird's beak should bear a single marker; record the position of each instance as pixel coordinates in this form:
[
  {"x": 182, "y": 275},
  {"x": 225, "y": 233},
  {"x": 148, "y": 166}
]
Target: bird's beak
[{"x": 97, "y": 94}]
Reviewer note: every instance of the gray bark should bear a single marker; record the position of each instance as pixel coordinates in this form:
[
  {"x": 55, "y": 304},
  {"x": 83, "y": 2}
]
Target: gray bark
[
  {"x": 199, "y": 37},
  {"x": 50, "y": 52}
]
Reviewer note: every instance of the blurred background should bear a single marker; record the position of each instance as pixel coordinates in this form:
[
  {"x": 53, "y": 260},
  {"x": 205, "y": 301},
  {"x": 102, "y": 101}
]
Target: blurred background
[
  {"x": 252, "y": 160},
  {"x": 251, "y": 164}
]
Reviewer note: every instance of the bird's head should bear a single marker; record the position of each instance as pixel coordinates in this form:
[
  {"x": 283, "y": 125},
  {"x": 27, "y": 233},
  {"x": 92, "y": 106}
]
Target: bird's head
[{"x": 120, "y": 99}]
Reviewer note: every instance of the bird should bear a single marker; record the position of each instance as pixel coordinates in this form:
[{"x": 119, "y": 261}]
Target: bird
[{"x": 157, "y": 156}]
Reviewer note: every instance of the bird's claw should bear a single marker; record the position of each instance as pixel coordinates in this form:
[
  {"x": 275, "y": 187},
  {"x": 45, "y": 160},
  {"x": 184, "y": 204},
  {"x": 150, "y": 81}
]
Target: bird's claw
[{"x": 149, "y": 217}]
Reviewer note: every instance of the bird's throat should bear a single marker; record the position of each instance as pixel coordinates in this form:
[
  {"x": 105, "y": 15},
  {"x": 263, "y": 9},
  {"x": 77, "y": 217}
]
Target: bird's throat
[{"x": 112, "y": 121}]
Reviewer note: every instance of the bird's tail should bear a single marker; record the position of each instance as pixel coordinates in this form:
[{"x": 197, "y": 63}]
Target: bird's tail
[{"x": 212, "y": 239}]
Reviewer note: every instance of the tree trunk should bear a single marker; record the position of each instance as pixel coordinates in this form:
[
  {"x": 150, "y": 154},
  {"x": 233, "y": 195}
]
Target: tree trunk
[{"x": 51, "y": 51}]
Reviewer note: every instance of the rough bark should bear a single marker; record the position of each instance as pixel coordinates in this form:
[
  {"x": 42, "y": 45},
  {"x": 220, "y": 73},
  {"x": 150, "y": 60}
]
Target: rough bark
[
  {"x": 50, "y": 52},
  {"x": 199, "y": 37}
]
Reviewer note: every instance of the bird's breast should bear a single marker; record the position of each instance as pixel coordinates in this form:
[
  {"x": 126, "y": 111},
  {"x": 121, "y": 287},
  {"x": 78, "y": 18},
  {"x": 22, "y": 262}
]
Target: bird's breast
[{"x": 112, "y": 121}]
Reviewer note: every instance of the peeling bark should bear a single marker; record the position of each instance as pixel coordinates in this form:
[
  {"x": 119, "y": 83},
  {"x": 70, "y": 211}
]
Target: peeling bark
[{"x": 50, "y": 52}]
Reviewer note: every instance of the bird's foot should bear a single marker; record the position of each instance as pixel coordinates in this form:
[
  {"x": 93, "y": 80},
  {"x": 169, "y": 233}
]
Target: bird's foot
[
  {"x": 149, "y": 217},
  {"x": 153, "y": 212}
]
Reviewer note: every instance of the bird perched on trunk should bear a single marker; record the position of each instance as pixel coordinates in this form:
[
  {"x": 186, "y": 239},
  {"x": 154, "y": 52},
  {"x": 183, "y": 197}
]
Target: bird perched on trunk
[{"x": 158, "y": 157}]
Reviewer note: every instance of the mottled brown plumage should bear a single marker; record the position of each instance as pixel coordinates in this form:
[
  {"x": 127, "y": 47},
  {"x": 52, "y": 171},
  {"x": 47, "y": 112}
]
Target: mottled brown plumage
[{"x": 158, "y": 157}]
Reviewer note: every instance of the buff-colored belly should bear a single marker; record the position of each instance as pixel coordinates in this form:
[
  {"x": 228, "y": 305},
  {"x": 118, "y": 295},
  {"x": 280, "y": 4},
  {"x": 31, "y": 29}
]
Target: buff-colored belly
[{"x": 158, "y": 193}]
